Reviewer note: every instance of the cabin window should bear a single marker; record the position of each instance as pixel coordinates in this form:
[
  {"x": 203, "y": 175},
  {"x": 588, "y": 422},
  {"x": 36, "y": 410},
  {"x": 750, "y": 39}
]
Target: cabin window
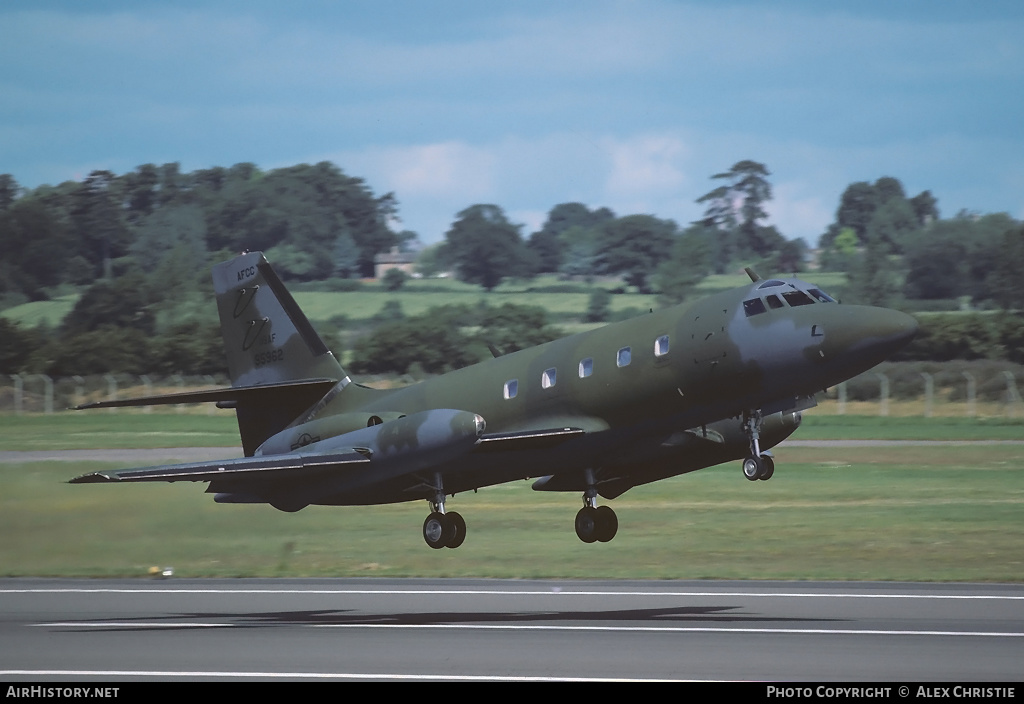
[
  {"x": 623, "y": 357},
  {"x": 774, "y": 302},
  {"x": 755, "y": 306},
  {"x": 797, "y": 298},
  {"x": 547, "y": 379},
  {"x": 511, "y": 388},
  {"x": 586, "y": 367},
  {"x": 661, "y": 346}
]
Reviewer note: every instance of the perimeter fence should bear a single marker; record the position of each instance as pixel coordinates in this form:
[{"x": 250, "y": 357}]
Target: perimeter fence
[{"x": 973, "y": 389}]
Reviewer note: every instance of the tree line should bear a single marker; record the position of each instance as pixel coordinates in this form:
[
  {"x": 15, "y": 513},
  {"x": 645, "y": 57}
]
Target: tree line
[{"x": 138, "y": 248}]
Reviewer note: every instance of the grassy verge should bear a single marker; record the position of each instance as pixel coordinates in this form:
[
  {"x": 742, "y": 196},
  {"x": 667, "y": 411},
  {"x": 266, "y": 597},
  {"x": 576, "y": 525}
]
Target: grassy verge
[
  {"x": 909, "y": 513},
  {"x": 124, "y": 429},
  {"x": 817, "y": 425}
]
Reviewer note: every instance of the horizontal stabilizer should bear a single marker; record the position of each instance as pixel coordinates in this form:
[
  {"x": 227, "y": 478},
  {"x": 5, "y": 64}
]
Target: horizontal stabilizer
[
  {"x": 245, "y": 467},
  {"x": 313, "y": 387}
]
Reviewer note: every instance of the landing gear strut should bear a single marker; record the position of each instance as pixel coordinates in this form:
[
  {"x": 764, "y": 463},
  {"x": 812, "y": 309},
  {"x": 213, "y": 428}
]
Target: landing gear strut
[
  {"x": 757, "y": 465},
  {"x": 595, "y": 523},
  {"x": 441, "y": 529}
]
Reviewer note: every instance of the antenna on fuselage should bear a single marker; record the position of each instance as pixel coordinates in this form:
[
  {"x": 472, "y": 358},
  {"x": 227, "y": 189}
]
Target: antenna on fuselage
[{"x": 751, "y": 273}]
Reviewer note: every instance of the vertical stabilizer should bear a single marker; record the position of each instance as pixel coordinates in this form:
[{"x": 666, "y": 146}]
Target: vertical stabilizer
[
  {"x": 269, "y": 341},
  {"x": 267, "y": 338}
]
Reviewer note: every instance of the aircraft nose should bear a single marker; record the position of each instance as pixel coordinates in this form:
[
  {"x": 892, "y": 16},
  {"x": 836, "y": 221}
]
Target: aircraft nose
[
  {"x": 898, "y": 327},
  {"x": 866, "y": 336}
]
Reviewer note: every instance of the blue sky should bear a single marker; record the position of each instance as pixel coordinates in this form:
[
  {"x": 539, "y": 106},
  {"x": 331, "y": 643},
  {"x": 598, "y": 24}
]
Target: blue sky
[{"x": 630, "y": 105}]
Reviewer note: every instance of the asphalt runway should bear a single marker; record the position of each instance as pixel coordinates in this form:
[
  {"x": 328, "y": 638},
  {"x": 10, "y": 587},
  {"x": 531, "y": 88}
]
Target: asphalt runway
[{"x": 494, "y": 630}]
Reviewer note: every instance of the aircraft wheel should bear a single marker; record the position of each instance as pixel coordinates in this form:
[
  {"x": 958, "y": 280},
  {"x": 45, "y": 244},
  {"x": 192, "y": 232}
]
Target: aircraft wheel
[
  {"x": 753, "y": 468},
  {"x": 768, "y": 469},
  {"x": 458, "y": 529},
  {"x": 437, "y": 531},
  {"x": 586, "y": 524},
  {"x": 607, "y": 523}
]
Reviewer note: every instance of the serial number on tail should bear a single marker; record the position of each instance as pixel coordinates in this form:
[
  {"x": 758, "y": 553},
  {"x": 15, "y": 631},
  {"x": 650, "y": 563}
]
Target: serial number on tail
[{"x": 271, "y": 357}]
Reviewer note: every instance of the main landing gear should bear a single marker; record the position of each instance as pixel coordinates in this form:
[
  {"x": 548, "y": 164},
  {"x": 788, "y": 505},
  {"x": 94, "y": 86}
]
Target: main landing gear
[
  {"x": 595, "y": 523},
  {"x": 444, "y": 530},
  {"x": 441, "y": 529},
  {"x": 757, "y": 465}
]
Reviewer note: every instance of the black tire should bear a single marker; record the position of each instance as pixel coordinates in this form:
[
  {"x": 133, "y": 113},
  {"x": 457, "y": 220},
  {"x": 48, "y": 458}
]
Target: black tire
[
  {"x": 753, "y": 468},
  {"x": 769, "y": 468},
  {"x": 458, "y": 529},
  {"x": 586, "y": 524},
  {"x": 436, "y": 530},
  {"x": 607, "y": 523}
]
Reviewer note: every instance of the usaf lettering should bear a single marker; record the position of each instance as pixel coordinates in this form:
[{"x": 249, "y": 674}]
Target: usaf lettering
[{"x": 246, "y": 273}]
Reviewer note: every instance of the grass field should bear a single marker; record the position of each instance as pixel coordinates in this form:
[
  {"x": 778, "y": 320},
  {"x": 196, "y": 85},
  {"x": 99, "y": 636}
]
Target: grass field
[
  {"x": 915, "y": 513},
  {"x": 932, "y": 513}
]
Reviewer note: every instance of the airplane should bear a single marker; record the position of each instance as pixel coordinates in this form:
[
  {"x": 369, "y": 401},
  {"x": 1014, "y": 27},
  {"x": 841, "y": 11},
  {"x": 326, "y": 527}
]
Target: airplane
[{"x": 662, "y": 394}]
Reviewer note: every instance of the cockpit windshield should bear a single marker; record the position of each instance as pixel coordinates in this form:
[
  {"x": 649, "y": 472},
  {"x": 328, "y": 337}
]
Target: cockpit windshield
[{"x": 795, "y": 296}]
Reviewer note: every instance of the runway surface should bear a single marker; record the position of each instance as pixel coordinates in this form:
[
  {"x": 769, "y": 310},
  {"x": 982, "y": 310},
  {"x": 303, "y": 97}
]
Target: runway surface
[{"x": 508, "y": 630}]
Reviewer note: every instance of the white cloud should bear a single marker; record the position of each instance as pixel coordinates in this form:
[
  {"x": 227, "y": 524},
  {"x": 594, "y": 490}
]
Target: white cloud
[
  {"x": 644, "y": 164},
  {"x": 440, "y": 170},
  {"x": 792, "y": 210}
]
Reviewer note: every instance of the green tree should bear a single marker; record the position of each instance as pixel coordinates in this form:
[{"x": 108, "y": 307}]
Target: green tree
[
  {"x": 511, "y": 327},
  {"x": 580, "y": 247},
  {"x": 394, "y": 279},
  {"x": 688, "y": 265},
  {"x": 599, "y": 306},
  {"x": 9, "y": 190},
  {"x": 736, "y": 208},
  {"x": 547, "y": 244},
  {"x": 633, "y": 246},
  {"x": 1006, "y": 281},
  {"x": 36, "y": 248},
  {"x": 484, "y": 246},
  {"x": 99, "y": 220}
]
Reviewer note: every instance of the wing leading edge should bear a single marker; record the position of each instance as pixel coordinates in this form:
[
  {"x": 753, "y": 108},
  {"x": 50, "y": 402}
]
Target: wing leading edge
[{"x": 288, "y": 466}]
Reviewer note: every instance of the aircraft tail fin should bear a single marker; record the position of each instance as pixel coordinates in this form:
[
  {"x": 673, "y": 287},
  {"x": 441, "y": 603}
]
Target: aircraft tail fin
[
  {"x": 267, "y": 338},
  {"x": 269, "y": 342}
]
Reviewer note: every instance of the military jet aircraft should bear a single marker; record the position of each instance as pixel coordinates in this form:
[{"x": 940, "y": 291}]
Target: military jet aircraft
[{"x": 665, "y": 393}]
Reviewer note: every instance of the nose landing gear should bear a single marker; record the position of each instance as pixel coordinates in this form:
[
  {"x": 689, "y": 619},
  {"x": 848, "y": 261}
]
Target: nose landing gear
[{"x": 757, "y": 465}]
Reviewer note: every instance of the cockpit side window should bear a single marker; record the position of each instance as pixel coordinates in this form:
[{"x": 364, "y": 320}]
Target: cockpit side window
[
  {"x": 774, "y": 302},
  {"x": 821, "y": 295},
  {"x": 754, "y": 306},
  {"x": 797, "y": 298}
]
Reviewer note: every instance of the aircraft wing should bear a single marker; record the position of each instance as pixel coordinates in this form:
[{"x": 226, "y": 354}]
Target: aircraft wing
[
  {"x": 290, "y": 466},
  {"x": 527, "y": 439}
]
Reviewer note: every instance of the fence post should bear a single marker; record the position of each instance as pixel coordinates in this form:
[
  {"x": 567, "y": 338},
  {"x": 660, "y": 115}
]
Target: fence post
[
  {"x": 883, "y": 404},
  {"x": 1012, "y": 395},
  {"x": 929, "y": 393},
  {"x": 842, "y": 398},
  {"x": 18, "y": 388},
  {"x": 79, "y": 390},
  {"x": 47, "y": 393},
  {"x": 971, "y": 395},
  {"x": 147, "y": 386},
  {"x": 180, "y": 383},
  {"x": 111, "y": 390}
]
